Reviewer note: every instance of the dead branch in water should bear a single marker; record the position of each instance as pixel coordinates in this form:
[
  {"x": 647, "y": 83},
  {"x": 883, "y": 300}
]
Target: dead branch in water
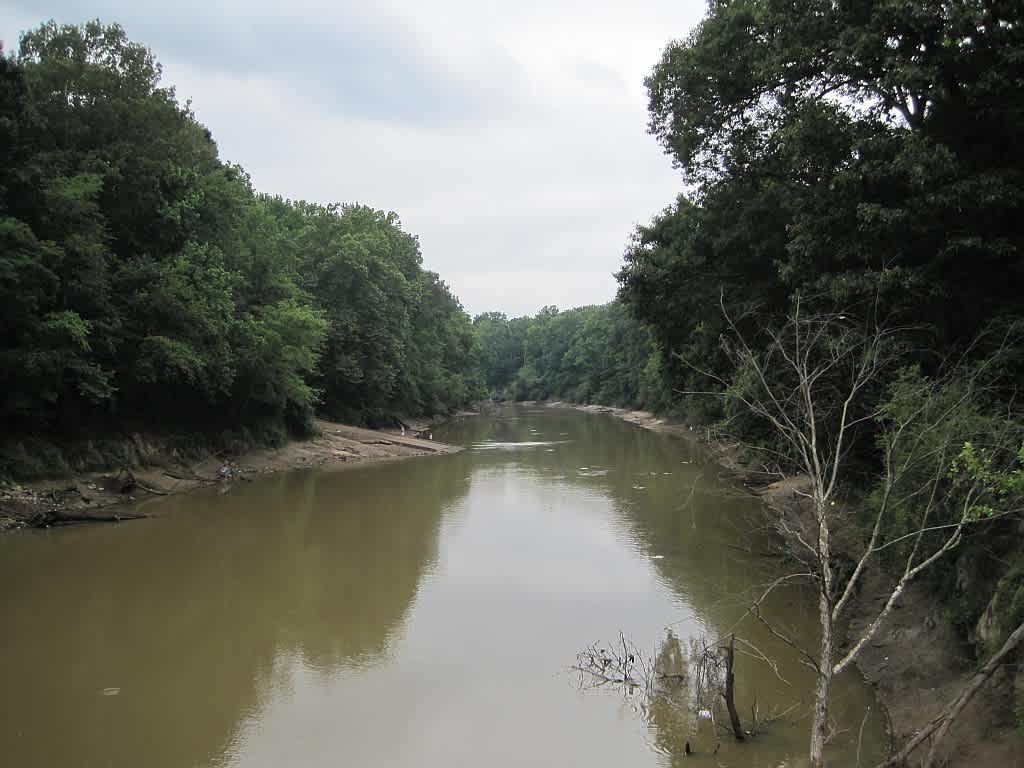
[
  {"x": 58, "y": 517},
  {"x": 620, "y": 664},
  {"x": 699, "y": 681}
]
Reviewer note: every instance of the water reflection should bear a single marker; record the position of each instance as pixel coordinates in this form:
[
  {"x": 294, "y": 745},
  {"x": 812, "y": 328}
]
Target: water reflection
[
  {"x": 186, "y": 614},
  {"x": 416, "y": 613},
  {"x": 701, "y": 534}
]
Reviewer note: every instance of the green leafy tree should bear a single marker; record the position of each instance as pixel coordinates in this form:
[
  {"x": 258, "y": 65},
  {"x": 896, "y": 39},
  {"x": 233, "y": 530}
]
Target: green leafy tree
[
  {"x": 142, "y": 278},
  {"x": 833, "y": 149},
  {"x": 597, "y": 354}
]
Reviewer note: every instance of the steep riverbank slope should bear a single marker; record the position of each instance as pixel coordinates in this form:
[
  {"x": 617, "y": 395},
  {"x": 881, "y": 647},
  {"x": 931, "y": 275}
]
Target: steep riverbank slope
[
  {"x": 915, "y": 662},
  {"x": 109, "y": 496}
]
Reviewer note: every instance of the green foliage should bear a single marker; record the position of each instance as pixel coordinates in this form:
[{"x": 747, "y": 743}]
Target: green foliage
[
  {"x": 952, "y": 446},
  {"x": 142, "y": 279},
  {"x": 596, "y": 354},
  {"x": 858, "y": 157},
  {"x": 501, "y": 347},
  {"x": 831, "y": 151},
  {"x": 444, "y": 369},
  {"x": 994, "y": 482}
]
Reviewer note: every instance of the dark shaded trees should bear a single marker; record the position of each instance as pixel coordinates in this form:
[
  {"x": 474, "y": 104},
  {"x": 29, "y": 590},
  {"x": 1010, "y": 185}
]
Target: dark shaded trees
[
  {"x": 597, "y": 354},
  {"x": 142, "y": 278},
  {"x": 443, "y": 370},
  {"x": 859, "y": 152},
  {"x": 501, "y": 347}
]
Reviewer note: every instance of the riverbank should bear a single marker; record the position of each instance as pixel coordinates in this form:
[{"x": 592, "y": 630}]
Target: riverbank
[
  {"x": 111, "y": 496},
  {"x": 915, "y": 663}
]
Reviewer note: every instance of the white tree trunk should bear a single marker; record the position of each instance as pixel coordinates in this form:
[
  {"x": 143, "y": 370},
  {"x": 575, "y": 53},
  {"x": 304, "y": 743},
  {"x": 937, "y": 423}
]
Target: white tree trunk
[{"x": 823, "y": 689}]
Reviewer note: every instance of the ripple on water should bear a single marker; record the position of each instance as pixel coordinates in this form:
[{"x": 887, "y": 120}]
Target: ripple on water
[{"x": 493, "y": 445}]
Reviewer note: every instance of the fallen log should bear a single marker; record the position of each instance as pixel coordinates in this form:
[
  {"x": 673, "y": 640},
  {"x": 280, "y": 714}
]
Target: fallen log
[
  {"x": 58, "y": 517},
  {"x": 154, "y": 491}
]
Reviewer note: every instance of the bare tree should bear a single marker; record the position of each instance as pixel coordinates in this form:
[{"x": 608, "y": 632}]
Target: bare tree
[{"x": 816, "y": 381}]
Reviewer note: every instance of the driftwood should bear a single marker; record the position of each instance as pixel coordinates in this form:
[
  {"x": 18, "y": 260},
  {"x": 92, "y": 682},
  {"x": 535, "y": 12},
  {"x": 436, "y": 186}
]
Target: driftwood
[
  {"x": 151, "y": 489},
  {"x": 729, "y": 692},
  {"x": 193, "y": 476},
  {"x": 59, "y": 517}
]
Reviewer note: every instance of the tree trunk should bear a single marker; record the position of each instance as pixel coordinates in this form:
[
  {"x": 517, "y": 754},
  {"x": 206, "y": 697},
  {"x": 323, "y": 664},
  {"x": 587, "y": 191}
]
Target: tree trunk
[
  {"x": 819, "y": 727},
  {"x": 730, "y": 700}
]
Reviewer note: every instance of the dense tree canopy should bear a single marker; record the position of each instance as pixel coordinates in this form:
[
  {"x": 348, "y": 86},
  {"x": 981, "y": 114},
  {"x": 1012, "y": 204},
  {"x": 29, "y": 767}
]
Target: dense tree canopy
[
  {"x": 851, "y": 159},
  {"x": 597, "y": 354},
  {"x": 861, "y": 154},
  {"x": 142, "y": 278}
]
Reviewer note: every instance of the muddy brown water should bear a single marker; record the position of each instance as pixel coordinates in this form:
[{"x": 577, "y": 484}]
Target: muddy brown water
[{"x": 416, "y": 613}]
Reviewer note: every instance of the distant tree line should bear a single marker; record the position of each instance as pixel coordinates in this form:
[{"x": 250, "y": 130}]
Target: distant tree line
[
  {"x": 142, "y": 279},
  {"x": 596, "y": 354}
]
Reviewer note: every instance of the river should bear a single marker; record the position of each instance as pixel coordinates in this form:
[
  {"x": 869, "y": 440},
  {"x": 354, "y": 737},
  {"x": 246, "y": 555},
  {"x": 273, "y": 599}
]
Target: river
[{"x": 416, "y": 613}]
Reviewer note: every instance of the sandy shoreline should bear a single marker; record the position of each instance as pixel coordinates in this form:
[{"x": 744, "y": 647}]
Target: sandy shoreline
[{"x": 112, "y": 496}]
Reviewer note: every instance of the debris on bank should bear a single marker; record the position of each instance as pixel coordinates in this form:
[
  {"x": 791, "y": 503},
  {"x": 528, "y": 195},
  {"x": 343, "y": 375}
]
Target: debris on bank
[{"x": 111, "y": 496}]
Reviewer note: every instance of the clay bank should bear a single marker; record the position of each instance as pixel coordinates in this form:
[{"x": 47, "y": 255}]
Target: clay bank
[{"x": 114, "y": 495}]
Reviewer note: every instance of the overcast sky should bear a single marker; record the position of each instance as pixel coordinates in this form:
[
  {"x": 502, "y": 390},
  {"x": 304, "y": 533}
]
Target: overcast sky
[{"x": 510, "y": 137}]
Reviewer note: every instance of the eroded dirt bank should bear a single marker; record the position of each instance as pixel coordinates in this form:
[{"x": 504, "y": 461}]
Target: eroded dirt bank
[
  {"x": 915, "y": 662},
  {"x": 110, "y": 496}
]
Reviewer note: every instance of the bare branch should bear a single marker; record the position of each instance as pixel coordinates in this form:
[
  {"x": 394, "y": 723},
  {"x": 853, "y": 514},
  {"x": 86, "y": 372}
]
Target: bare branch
[{"x": 755, "y": 611}]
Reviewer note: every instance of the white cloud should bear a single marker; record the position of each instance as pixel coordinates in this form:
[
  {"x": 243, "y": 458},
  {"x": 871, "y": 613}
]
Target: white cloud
[
  {"x": 523, "y": 291},
  {"x": 510, "y": 137}
]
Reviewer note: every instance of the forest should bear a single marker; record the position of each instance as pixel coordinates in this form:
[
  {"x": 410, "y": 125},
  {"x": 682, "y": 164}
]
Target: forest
[
  {"x": 144, "y": 282},
  {"x": 837, "y": 287},
  {"x": 598, "y": 354}
]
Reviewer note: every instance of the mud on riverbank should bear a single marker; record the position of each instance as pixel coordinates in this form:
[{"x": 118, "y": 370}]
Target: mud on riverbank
[
  {"x": 915, "y": 662},
  {"x": 110, "y": 496}
]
